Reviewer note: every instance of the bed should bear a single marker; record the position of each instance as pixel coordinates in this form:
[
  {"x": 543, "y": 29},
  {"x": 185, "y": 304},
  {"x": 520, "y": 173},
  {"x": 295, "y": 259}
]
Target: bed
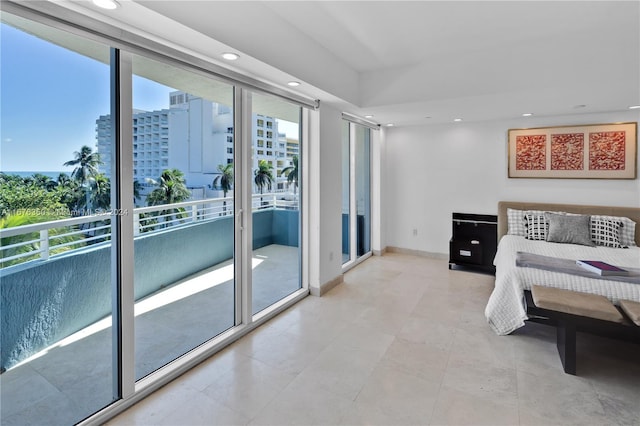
[{"x": 506, "y": 310}]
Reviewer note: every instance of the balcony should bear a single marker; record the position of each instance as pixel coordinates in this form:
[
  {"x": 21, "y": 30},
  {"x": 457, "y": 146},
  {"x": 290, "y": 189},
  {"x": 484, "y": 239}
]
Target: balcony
[{"x": 53, "y": 327}]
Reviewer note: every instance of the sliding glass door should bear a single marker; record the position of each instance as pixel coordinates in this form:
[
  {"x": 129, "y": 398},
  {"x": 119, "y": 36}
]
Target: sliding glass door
[
  {"x": 57, "y": 363},
  {"x": 276, "y": 172},
  {"x": 150, "y": 210},
  {"x": 183, "y": 158},
  {"x": 356, "y": 192},
  {"x": 362, "y": 187}
]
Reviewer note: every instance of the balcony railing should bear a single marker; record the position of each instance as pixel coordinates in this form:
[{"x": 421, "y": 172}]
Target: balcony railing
[{"x": 43, "y": 240}]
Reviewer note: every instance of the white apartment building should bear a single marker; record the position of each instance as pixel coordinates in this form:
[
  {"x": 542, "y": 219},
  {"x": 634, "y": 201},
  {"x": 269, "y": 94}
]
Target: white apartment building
[{"x": 194, "y": 136}]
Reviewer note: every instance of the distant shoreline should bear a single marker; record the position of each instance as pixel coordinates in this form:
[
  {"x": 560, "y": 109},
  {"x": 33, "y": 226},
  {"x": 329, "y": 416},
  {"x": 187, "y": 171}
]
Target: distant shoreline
[{"x": 23, "y": 174}]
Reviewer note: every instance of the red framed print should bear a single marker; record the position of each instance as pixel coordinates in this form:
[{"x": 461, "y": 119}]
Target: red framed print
[{"x": 594, "y": 151}]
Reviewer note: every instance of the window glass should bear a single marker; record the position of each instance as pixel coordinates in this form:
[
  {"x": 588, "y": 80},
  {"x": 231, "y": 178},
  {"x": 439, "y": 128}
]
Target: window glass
[
  {"x": 57, "y": 311},
  {"x": 276, "y": 205},
  {"x": 184, "y": 244}
]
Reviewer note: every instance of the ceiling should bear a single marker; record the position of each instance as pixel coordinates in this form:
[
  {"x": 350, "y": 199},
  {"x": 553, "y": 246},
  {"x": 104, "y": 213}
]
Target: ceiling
[{"x": 404, "y": 61}]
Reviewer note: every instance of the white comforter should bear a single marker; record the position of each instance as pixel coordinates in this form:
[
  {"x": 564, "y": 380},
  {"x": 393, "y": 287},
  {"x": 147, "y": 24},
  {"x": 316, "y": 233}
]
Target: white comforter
[{"x": 505, "y": 310}]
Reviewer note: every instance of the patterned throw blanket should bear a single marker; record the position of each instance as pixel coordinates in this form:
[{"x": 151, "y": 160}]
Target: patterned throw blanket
[{"x": 568, "y": 266}]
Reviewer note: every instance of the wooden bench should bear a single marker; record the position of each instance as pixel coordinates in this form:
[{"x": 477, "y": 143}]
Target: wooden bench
[{"x": 572, "y": 311}]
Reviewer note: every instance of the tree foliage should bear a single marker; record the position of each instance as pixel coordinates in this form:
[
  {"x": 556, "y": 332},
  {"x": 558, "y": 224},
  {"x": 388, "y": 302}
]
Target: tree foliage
[
  {"x": 18, "y": 194},
  {"x": 86, "y": 164},
  {"x": 263, "y": 175},
  {"x": 291, "y": 172},
  {"x": 224, "y": 181},
  {"x": 171, "y": 188}
]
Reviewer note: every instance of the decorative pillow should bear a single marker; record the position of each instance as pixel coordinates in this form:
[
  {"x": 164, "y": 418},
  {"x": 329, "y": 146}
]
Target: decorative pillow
[
  {"x": 536, "y": 226},
  {"x": 569, "y": 229},
  {"x": 605, "y": 232},
  {"x": 627, "y": 229},
  {"x": 515, "y": 222}
]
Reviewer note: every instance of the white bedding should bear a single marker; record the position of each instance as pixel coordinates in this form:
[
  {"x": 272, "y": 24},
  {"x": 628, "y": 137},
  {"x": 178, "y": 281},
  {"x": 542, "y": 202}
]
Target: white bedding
[{"x": 505, "y": 310}]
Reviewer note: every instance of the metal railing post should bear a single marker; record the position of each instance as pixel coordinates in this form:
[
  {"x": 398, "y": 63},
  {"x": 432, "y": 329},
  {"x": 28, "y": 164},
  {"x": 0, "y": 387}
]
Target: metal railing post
[
  {"x": 44, "y": 244},
  {"x": 136, "y": 224}
]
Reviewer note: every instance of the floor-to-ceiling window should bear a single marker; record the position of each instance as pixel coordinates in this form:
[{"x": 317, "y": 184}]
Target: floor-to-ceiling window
[
  {"x": 356, "y": 192},
  {"x": 276, "y": 172},
  {"x": 183, "y": 170},
  {"x": 346, "y": 193},
  {"x": 362, "y": 187},
  {"x": 56, "y": 233},
  {"x": 161, "y": 243}
]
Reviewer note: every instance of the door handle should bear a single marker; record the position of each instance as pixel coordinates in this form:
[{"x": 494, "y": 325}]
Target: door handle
[{"x": 239, "y": 220}]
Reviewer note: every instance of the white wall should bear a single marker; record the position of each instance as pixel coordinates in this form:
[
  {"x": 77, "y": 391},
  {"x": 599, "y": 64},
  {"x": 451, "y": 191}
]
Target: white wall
[
  {"x": 325, "y": 197},
  {"x": 432, "y": 171}
]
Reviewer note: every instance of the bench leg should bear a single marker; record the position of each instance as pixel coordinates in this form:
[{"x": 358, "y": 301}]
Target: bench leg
[{"x": 566, "y": 342}]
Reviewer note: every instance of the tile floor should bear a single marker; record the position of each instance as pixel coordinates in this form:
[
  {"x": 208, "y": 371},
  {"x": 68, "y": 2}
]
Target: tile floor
[
  {"x": 73, "y": 378},
  {"x": 402, "y": 341}
]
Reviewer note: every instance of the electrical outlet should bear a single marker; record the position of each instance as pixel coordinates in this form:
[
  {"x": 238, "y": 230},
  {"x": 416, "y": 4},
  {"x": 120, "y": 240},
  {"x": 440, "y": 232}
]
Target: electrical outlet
[
  {"x": 415, "y": 232},
  {"x": 330, "y": 255}
]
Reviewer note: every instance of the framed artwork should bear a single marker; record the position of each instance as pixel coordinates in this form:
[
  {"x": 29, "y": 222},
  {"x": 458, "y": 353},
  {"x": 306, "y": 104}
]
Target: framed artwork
[{"x": 594, "y": 151}]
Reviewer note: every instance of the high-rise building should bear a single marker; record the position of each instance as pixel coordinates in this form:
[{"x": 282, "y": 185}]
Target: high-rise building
[{"x": 194, "y": 136}]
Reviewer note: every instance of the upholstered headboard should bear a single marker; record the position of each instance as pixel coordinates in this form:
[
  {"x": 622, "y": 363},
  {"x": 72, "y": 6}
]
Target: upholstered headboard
[{"x": 632, "y": 213}]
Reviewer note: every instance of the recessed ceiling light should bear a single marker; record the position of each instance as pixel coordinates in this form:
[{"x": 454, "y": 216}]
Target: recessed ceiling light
[
  {"x": 368, "y": 116},
  {"x": 527, "y": 114},
  {"x": 579, "y": 106},
  {"x": 106, "y": 4},
  {"x": 293, "y": 83},
  {"x": 229, "y": 56},
  {"x": 634, "y": 107},
  {"x": 390, "y": 125},
  {"x": 457, "y": 119}
]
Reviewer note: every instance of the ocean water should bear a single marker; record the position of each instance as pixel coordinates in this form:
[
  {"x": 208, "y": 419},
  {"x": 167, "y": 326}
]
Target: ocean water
[{"x": 52, "y": 175}]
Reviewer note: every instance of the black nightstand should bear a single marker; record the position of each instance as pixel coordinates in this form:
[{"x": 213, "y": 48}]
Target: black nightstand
[{"x": 474, "y": 241}]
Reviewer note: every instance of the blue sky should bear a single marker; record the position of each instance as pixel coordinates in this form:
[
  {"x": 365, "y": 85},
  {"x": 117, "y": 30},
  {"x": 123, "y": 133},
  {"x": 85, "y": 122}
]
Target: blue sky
[{"x": 50, "y": 98}]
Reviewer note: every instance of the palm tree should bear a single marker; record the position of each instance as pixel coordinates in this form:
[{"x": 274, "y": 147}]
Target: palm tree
[
  {"x": 171, "y": 189},
  {"x": 291, "y": 172},
  {"x": 101, "y": 192},
  {"x": 63, "y": 179},
  {"x": 41, "y": 181},
  {"x": 86, "y": 164},
  {"x": 263, "y": 176},
  {"x": 224, "y": 182}
]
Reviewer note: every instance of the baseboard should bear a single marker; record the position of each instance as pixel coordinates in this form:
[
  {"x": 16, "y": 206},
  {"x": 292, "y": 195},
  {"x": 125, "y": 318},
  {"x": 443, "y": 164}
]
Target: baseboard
[
  {"x": 324, "y": 288},
  {"x": 380, "y": 252},
  {"x": 400, "y": 250}
]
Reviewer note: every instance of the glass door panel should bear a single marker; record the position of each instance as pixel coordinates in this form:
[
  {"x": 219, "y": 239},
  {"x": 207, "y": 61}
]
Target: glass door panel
[
  {"x": 363, "y": 189},
  {"x": 276, "y": 163},
  {"x": 57, "y": 314},
  {"x": 356, "y": 192},
  {"x": 183, "y": 148},
  {"x": 346, "y": 193}
]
